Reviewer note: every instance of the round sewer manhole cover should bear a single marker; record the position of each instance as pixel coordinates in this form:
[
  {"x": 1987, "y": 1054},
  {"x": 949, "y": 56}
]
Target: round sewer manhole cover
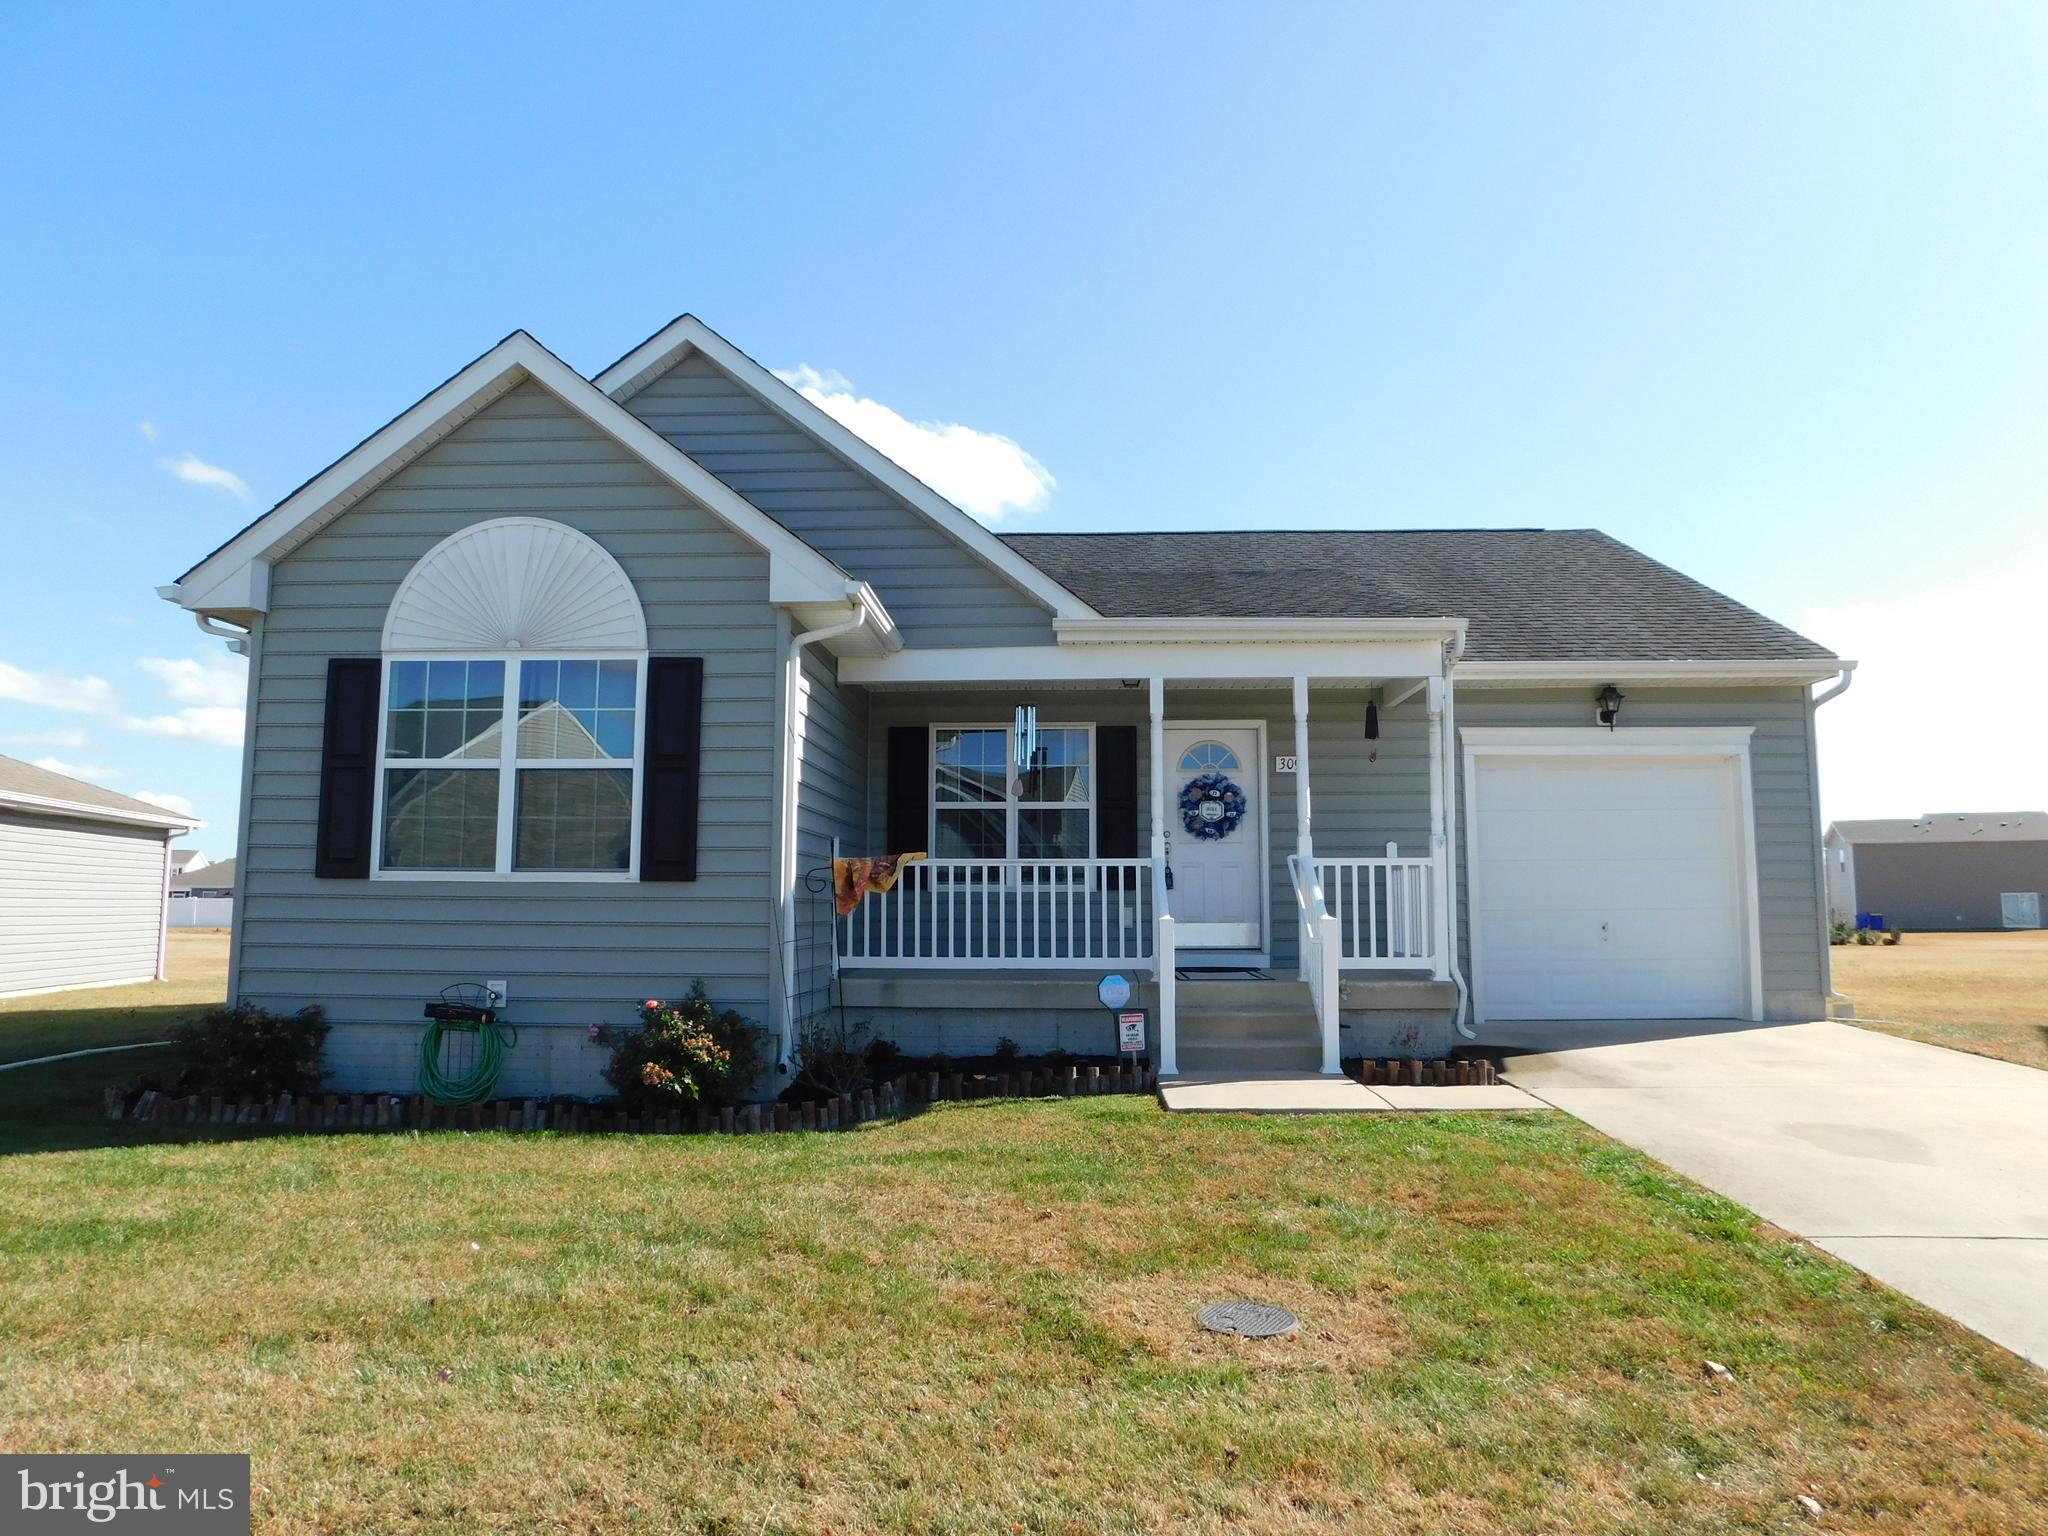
[{"x": 1251, "y": 1319}]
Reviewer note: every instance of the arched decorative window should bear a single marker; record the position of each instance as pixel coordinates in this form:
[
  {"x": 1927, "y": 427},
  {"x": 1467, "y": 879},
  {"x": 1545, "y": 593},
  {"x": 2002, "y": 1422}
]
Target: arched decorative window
[
  {"x": 514, "y": 693},
  {"x": 1209, "y": 757}
]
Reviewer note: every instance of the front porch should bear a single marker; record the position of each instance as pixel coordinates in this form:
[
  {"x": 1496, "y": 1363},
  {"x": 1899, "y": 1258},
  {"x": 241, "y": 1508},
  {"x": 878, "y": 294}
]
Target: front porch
[{"x": 1327, "y": 873}]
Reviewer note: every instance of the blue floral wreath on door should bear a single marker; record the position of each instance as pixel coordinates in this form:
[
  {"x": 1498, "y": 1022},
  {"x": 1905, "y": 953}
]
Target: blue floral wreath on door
[{"x": 1211, "y": 806}]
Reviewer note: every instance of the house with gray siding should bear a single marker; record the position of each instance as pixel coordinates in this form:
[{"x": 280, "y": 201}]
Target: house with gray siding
[
  {"x": 1955, "y": 871},
  {"x": 84, "y": 877},
  {"x": 576, "y": 688}
]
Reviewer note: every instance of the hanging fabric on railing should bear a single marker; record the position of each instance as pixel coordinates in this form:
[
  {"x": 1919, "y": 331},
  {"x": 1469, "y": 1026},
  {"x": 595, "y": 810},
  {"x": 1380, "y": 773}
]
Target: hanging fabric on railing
[{"x": 854, "y": 878}]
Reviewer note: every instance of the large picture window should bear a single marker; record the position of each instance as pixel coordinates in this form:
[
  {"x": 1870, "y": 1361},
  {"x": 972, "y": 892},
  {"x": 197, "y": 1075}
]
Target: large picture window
[
  {"x": 985, "y": 807},
  {"x": 510, "y": 765}
]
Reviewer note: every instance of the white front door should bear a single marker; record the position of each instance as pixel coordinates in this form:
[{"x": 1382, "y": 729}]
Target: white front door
[{"x": 1215, "y": 836}]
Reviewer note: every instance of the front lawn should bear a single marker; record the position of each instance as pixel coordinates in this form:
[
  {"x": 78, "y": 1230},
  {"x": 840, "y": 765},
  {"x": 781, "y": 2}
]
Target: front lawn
[
  {"x": 980, "y": 1320},
  {"x": 1981, "y": 992}
]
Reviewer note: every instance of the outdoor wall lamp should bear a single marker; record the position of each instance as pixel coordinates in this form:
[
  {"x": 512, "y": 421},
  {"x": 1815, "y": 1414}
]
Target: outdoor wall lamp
[{"x": 1609, "y": 705}]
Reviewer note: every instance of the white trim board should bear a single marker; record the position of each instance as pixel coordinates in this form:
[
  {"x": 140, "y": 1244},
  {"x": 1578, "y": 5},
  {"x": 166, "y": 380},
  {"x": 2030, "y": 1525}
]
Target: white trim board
[
  {"x": 1705, "y": 674},
  {"x": 233, "y": 577},
  {"x": 1730, "y": 744},
  {"x": 78, "y": 810},
  {"x": 686, "y": 334}
]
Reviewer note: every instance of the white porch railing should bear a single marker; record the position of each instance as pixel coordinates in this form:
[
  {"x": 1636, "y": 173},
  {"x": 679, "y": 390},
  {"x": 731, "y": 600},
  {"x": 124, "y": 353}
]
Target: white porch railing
[
  {"x": 1319, "y": 956},
  {"x": 1384, "y": 909},
  {"x": 1006, "y": 914}
]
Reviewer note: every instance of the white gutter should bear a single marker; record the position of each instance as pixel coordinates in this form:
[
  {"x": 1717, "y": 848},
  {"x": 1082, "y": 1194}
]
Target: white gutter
[
  {"x": 1195, "y": 629},
  {"x": 237, "y": 639},
  {"x": 784, "y": 909},
  {"x": 79, "y": 810}
]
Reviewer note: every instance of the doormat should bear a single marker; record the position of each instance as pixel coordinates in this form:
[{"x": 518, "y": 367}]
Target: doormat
[{"x": 1221, "y": 973}]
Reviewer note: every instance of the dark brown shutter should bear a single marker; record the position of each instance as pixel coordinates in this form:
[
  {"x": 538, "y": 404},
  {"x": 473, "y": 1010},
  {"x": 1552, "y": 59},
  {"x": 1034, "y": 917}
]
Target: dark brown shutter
[
  {"x": 1116, "y": 794},
  {"x": 668, "y": 787},
  {"x": 348, "y": 769},
  {"x": 910, "y": 786}
]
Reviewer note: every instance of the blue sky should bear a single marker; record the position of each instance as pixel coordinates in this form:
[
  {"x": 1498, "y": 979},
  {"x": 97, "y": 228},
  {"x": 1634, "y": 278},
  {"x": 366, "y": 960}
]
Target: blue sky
[{"x": 1755, "y": 288}]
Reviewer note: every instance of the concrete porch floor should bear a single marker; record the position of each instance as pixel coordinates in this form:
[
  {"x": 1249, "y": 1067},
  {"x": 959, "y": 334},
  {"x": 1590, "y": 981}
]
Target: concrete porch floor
[{"x": 1312, "y": 1093}]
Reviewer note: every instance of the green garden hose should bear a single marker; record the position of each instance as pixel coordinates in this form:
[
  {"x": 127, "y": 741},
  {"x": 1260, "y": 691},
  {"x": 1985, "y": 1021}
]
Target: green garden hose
[{"x": 481, "y": 1081}]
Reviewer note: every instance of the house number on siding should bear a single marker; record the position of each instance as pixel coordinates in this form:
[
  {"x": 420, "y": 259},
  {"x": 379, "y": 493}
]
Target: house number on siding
[{"x": 1283, "y": 762}]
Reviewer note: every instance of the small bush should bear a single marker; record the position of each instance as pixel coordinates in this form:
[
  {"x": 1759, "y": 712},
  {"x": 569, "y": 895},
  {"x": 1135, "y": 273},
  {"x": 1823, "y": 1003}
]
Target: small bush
[
  {"x": 1868, "y": 936},
  {"x": 685, "y": 1051},
  {"x": 244, "y": 1051},
  {"x": 1008, "y": 1051},
  {"x": 1841, "y": 933},
  {"x": 832, "y": 1055},
  {"x": 883, "y": 1054}
]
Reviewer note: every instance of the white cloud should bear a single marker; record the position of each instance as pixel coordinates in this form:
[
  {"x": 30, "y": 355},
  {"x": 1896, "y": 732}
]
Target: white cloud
[
  {"x": 86, "y": 695},
  {"x": 211, "y": 726},
  {"x": 1943, "y": 714},
  {"x": 218, "y": 680},
  {"x": 194, "y": 470},
  {"x": 983, "y": 473},
  {"x": 90, "y": 772},
  {"x": 176, "y": 803},
  {"x": 67, "y": 739},
  {"x": 147, "y": 428}
]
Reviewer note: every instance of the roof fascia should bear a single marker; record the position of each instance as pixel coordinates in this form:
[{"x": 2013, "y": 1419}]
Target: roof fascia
[
  {"x": 46, "y": 805},
  {"x": 676, "y": 340},
  {"x": 1572, "y": 674},
  {"x": 224, "y": 581},
  {"x": 1195, "y": 630}
]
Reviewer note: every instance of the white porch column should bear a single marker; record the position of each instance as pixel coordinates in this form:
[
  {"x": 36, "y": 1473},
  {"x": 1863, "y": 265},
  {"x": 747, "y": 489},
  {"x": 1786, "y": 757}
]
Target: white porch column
[
  {"x": 1304, "y": 840},
  {"x": 1439, "y": 839},
  {"x": 1163, "y": 960}
]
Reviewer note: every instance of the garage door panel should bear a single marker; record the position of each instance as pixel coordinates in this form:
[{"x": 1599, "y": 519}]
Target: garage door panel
[{"x": 1608, "y": 889}]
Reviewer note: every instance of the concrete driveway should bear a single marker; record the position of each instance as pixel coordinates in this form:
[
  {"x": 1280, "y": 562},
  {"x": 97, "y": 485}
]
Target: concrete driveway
[{"x": 1925, "y": 1167}]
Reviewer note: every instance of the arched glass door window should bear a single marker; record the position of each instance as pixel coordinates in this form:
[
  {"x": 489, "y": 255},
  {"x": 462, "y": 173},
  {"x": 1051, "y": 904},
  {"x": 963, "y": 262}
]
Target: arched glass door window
[{"x": 1209, "y": 757}]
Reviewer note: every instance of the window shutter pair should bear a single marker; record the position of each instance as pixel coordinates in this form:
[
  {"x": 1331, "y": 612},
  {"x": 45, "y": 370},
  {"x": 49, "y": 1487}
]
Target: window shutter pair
[
  {"x": 1116, "y": 790},
  {"x": 672, "y": 733}
]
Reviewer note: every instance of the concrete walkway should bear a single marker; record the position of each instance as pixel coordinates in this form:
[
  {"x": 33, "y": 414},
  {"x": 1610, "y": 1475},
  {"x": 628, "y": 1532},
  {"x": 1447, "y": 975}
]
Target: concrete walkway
[
  {"x": 1311, "y": 1093},
  {"x": 1924, "y": 1167}
]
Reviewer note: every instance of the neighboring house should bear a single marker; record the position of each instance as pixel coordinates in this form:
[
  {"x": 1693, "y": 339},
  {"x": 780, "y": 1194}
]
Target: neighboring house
[
  {"x": 186, "y": 861},
  {"x": 204, "y": 897},
  {"x": 1957, "y": 871},
  {"x": 735, "y": 638},
  {"x": 83, "y": 876}
]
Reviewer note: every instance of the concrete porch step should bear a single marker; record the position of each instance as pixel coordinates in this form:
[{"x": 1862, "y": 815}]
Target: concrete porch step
[
  {"x": 1250, "y": 1056},
  {"x": 1240, "y": 993},
  {"x": 1288, "y": 1027}
]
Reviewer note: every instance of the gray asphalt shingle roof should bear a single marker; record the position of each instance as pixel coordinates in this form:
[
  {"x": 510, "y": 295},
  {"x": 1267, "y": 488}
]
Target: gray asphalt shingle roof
[
  {"x": 1531, "y": 594},
  {"x": 19, "y": 778}
]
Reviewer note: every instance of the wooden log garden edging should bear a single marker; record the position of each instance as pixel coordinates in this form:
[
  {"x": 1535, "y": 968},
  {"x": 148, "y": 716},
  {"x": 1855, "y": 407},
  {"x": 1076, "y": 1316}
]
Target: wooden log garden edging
[
  {"x": 415, "y": 1112},
  {"x": 1408, "y": 1072}
]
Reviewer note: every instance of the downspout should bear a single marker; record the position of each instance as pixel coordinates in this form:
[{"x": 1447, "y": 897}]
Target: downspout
[
  {"x": 1820, "y": 843},
  {"x": 784, "y": 908},
  {"x": 1453, "y": 650}
]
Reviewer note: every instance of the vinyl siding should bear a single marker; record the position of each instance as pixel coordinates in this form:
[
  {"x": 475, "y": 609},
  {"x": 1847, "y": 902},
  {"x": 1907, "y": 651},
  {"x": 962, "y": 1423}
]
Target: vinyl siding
[
  {"x": 832, "y": 802},
  {"x": 1935, "y": 886},
  {"x": 373, "y": 951},
  {"x": 1788, "y": 863},
  {"x": 938, "y": 593},
  {"x": 81, "y": 903}
]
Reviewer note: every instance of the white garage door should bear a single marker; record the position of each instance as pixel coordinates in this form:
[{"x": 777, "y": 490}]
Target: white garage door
[{"x": 1607, "y": 888}]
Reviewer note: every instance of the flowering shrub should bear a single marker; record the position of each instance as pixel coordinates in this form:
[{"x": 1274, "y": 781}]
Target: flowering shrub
[
  {"x": 243, "y": 1051},
  {"x": 683, "y": 1052}
]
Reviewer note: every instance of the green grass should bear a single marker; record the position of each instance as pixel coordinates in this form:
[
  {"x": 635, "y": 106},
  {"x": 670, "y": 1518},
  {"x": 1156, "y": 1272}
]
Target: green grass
[
  {"x": 76, "y": 1021},
  {"x": 978, "y": 1320}
]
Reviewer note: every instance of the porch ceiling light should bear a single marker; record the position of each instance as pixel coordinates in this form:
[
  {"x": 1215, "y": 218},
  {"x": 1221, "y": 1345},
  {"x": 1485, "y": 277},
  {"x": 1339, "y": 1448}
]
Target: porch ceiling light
[{"x": 1609, "y": 705}]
